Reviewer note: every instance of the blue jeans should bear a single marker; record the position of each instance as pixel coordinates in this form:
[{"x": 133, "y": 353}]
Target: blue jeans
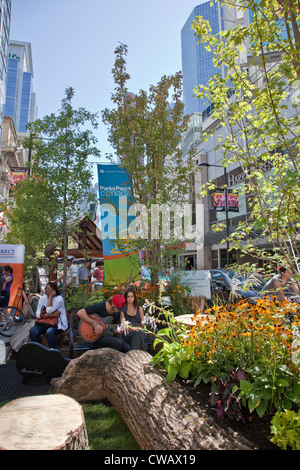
[{"x": 50, "y": 332}]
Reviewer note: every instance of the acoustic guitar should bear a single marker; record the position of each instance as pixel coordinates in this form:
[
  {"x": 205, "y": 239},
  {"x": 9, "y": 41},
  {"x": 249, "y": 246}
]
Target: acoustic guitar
[{"x": 87, "y": 331}]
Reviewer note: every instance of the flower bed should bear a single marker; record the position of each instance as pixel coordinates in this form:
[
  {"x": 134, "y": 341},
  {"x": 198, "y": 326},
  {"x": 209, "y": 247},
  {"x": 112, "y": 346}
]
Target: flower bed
[{"x": 246, "y": 352}]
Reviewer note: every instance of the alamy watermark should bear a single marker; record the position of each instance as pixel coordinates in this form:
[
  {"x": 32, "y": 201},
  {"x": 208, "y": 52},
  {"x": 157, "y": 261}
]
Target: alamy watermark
[{"x": 166, "y": 221}]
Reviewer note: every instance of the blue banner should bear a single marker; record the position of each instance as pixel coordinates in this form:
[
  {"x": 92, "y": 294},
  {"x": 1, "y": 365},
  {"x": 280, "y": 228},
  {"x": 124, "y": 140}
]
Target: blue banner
[{"x": 115, "y": 195}]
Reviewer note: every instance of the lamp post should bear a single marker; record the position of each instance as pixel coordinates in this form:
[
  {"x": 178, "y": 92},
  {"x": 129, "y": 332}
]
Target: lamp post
[{"x": 226, "y": 204}]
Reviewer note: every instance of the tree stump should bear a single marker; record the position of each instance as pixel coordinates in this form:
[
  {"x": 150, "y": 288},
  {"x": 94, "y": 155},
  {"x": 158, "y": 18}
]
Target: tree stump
[
  {"x": 50, "y": 422},
  {"x": 160, "y": 416}
]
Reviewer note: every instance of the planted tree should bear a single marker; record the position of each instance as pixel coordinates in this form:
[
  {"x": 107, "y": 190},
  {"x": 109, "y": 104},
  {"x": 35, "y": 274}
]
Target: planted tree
[
  {"x": 145, "y": 130},
  {"x": 47, "y": 204},
  {"x": 256, "y": 102}
]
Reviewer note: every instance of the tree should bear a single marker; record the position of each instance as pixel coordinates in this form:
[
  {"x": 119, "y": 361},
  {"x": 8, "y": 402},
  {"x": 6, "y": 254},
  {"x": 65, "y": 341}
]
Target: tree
[
  {"x": 61, "y": 175},
  {"x": 256, "y": 103},
  {"x": 145, "y": 130}
]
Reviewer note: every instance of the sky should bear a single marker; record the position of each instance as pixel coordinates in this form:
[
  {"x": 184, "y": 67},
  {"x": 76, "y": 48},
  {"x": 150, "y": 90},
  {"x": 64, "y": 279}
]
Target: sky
[{"x": 73, "y": 44}]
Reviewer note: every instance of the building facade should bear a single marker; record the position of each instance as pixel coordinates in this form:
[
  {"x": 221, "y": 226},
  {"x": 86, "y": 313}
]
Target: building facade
[
  {"x": 197, "y": 62},
  {"x": 208, "y": 251},
  {"x": 20, "y": 98},
  {"x": 5, "y": 21}
]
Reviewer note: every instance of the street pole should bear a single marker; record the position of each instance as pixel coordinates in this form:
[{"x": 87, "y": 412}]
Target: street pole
[
  {"x": 226, "y": 206},
  {"x": 227, "y": 218}
]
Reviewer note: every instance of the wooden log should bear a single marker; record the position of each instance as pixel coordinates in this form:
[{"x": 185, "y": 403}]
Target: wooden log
[
  {"x": 160, "y": 416},
  {"x": 49, "y": 422}
]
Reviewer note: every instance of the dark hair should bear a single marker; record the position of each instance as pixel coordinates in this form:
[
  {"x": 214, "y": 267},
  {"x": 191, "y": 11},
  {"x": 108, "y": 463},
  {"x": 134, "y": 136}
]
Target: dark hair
[
  {"x": 130, "y": 289},
  {"x": 53, "y": 286},
  {"x": 282, "y": 269},
  {"x": 8, "y": 268}
]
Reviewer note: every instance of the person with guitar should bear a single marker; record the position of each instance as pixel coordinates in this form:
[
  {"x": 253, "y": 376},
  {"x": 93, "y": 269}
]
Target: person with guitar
[
  {"x": 97, "y": 322},
  {"x": 133, "y": 314}
]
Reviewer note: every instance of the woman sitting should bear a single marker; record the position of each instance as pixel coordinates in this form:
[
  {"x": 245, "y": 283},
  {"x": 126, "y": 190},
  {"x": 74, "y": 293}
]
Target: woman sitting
[
  {"x": 283, "y": 285},
  {"x": 51, "y": 305},
  {"x": 135, "y": 315}
]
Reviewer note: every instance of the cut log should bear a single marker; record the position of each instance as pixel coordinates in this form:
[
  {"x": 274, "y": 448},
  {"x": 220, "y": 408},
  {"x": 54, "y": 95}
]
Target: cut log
[
  {"x": 159, "y": 415},
  {"x": 49, "y": 422}
]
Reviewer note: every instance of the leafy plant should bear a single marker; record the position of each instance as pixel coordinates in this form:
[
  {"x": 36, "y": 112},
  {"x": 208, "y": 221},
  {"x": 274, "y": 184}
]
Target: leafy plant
[
  {"x": 178, "y": 293},
  {"x": 285, "y": 428},
  {"x": 225, "y": 396},
  {"x": 96, "y": 297},
  {"x": 174, "y": 355},
  {"x": 268, "y": 391},
  {"x": 79, "y": 298}
]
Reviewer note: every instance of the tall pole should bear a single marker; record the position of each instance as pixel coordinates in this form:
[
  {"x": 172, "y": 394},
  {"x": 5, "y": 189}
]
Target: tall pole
[
  {"x": 226, "y": 204},
  {"x": 227, "y": 219}
]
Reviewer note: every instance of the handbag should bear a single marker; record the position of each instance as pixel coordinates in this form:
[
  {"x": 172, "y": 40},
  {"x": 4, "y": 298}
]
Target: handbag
[{"x": 46, "y": 321}]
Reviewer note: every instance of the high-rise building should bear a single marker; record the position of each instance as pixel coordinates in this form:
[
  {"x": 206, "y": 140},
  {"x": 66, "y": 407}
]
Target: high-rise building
[
  {"x": 20, "y": 98},
  {"x": 197, "y": 63},
  {"x": 5, "y": 20}
]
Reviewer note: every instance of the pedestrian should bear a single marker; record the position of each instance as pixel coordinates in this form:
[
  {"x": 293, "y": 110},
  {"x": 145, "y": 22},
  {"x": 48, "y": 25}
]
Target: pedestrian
[
  {"x": 71, "y": 277},
  {"x": 84, "y": 273},
  {"x": 2, "y": 285},
  {"x": 9, "y": 279},
  {"x": 99, "y": 272}
]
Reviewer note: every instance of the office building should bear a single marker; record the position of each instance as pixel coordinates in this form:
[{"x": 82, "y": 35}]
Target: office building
[
  {"x": 5, "y": 20},
  {"x": 20, "y": 99},
  {"x": 197, "y": 62}
]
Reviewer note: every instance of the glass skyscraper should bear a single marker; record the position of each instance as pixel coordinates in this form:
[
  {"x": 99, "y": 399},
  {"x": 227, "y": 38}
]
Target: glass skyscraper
[
  {"x": 197, "y": 63},
  {"x": 20, "y": 98},
  {"x": 5, "y": 20}
]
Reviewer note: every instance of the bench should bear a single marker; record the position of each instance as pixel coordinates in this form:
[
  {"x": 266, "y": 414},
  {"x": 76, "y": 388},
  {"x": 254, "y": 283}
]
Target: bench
[{"x": 76, "y": 345}]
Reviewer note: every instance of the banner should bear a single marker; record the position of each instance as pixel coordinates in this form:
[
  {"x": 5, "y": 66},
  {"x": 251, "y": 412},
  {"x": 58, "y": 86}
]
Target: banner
[
  {"x": 220, "y": 202},
  {"x": 120, "y": 256},
  {"x": 13, "y": 256},
  {"x": 16, "y": 174}
]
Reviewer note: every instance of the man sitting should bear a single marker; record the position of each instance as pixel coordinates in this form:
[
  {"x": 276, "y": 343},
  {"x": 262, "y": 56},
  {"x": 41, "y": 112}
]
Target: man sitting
[{"x": 109, "y": 312}]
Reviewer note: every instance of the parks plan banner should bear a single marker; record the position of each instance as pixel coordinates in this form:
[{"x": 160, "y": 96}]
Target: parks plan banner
[{"x": 120, "y": 256}]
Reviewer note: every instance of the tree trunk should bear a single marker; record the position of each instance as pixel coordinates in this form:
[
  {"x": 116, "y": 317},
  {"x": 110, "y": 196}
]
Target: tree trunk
[
  {"x": 50, "y": 422},
  {"x": 159, "y": 415}
]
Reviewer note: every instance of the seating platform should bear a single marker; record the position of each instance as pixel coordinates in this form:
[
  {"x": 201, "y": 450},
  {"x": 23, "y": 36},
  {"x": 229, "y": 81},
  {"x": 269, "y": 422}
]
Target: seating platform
[{"x": 12, "y": 386}]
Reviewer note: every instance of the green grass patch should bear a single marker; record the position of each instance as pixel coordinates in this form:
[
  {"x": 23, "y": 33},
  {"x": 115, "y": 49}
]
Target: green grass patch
[{"x": 106, "y": 430}]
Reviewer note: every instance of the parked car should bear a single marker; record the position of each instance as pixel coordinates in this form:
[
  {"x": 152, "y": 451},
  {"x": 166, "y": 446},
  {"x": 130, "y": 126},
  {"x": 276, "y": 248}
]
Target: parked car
[
  {"x": 146, "y": 275},
  {"x": 230, "y": 286}
]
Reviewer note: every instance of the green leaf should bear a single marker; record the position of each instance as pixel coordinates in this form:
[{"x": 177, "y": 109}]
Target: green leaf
[
  {"x": 261, "y": 409},
  {"x": 253, "y": 402},
  {"x": 283, "y": 383},
  {"x": 172, "y": 372},
  {"x": 184, "y": 370},
  {"x": 246, "y": 386}
]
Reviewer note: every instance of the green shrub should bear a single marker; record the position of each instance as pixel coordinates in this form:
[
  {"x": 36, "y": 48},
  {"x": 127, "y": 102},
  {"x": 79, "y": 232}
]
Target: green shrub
[{"x": 286, "y": 430}]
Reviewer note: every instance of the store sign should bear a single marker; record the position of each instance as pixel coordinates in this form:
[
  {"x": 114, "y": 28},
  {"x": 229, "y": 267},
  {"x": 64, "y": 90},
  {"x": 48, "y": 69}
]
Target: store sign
[{"x": 241, "y": 177}]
